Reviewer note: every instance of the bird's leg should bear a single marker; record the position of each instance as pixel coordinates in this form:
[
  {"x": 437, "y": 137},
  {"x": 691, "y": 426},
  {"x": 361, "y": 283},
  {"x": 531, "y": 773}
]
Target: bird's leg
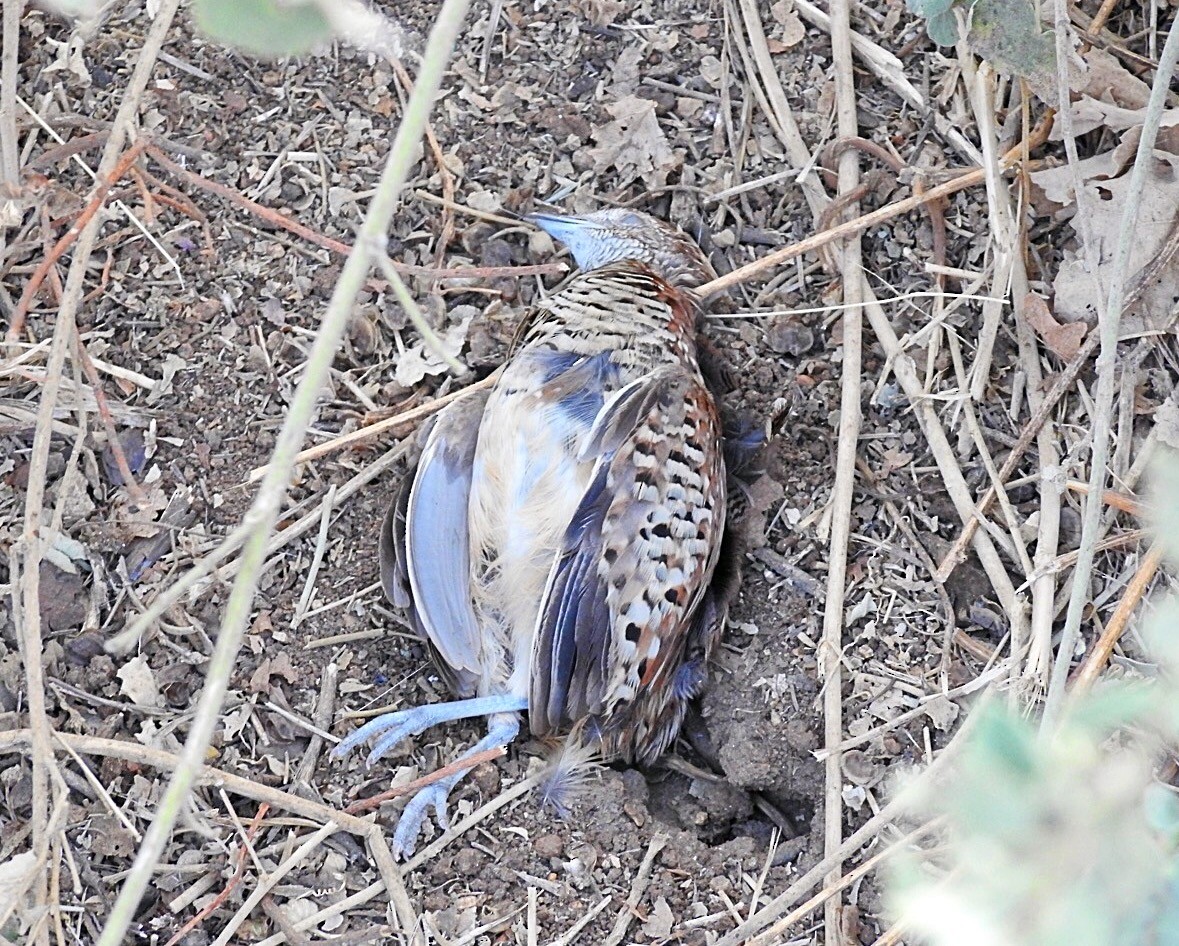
[
  {"x": 393, "y": 727},
  {"x": 502, "y": 728}
]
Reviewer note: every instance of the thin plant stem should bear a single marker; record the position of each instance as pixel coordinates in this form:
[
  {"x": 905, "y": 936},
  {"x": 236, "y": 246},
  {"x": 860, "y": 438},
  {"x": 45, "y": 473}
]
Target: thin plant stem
[{"x": 1110, "y": 323}]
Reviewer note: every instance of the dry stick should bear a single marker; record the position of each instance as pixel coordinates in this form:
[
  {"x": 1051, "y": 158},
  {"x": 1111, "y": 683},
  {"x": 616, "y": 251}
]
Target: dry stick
[
  {"x": 358, "y": 899},
  {"x": 1042, "y": 585},
  {"x": 980, "y": 91},
  {"x": 458, "y": 765},
  {"x": 785, "y": 900},
  {"x": 1120, "y": 501},
  {"x": 1062, "y": 384},
  {"x": 877, "y": 823},
  {"x": 637, "y": 888},
  {"x": 502, "y": 800},
  {"x": 208, "y": 775},
  {"x": 842, "y": 494},
  {"x": 1098, "y": 22},
  {"x": 374, "y": 430},
  {"x": 464, "y": 209},
  {"x": 325, "y": 711},
  {"x": 862, "y": 223},
  {"x": 778, "y": 107},
  {"x": 83, "y": 221},
  {"x": 1110, "y": 322},
  {"x": 230, "y": 885},
  {"x": 264, "y": 512},
  {"x": 9, "y": 67},
  {"x": 267, "y": 883},
  {"x": 1015, "y": 546},
  {"x": 827, "y": 894},
  {"x": 943, "y": 453},
  {"x": 325, "y": 523},
  {"x": 891, "y": 71},
  {"x": 1100, "y": 653},
  {"x": 128, "y": 638},
  {"x": 17, "y": 739},
  {"x": 336, "y": 246},
  {"x": 571, "y": 934},
  {"x": 108, "y": 423}
]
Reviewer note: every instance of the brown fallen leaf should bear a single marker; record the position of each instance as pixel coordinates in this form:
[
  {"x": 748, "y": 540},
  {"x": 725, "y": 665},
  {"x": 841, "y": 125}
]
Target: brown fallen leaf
[
  {"x": 634, "y": 143},
  {"x": 1063, "y": 340}
]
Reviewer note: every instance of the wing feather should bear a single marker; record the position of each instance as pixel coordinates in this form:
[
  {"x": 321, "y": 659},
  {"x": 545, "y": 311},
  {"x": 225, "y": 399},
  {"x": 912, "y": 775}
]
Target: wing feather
[
  {"x": 637, "y": 556},
  {"x": 429, "y": 539}
]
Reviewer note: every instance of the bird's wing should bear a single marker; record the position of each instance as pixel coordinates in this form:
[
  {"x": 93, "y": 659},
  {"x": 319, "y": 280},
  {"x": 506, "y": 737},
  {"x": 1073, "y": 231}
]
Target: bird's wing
[
  {"x": 425, "y": 542},
  {"x": 637, "y": 555}
]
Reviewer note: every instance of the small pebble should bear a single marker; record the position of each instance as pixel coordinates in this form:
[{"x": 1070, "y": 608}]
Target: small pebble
[{"x": 549, "y": 845}]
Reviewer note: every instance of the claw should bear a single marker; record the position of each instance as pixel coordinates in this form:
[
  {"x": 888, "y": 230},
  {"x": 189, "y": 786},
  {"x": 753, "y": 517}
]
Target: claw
[
  {"x": 405, "y": 837},
  {"x": 502, "y": 728}
]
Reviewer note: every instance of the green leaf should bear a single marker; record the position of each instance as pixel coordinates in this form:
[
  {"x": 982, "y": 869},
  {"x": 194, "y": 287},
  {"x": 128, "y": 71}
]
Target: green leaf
[
  {"x": 1004, "y": 741},
  {"x": 943, "y": 28},
  {"x": 1165, "y": 500},
  {"x": 1162, "y": 811},
  {"x": 1112, "y": 705},
  {"x": 929, "y": 8},
  {"x": 264, "y": 28},
  {"x": 1007, "y": 34}
]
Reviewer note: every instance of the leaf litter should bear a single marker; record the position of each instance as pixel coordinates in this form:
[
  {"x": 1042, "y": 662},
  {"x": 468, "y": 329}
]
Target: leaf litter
[{"x": 611, "y": 103}]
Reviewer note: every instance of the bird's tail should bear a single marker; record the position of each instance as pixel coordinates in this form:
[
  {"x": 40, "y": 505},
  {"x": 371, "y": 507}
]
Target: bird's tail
[{"x": 571, "y": 766}]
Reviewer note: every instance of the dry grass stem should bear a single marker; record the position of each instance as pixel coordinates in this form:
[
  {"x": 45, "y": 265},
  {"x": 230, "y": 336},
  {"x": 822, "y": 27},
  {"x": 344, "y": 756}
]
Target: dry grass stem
[
  {"x": 638, "y": 887},
  {"x": 842, "y": 493},
  {"x": 1109, "y": 323},
  {"x": 1099, "y": 654},
  {"x": 365, "y": 434},
  {"x": 860, "y": 224}
]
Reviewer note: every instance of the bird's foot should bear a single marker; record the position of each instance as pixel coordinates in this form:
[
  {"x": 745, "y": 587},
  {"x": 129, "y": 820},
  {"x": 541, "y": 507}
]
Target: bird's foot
[
  {"x": 391, "y": 728},
  {"x": 502, "y": 728},
  {"x": 388, "y": 730},
  {"x": 405, "y": 837}
]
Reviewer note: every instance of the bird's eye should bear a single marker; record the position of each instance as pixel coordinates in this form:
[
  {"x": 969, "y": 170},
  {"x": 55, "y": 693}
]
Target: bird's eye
[{"x": 630, "y": 219}]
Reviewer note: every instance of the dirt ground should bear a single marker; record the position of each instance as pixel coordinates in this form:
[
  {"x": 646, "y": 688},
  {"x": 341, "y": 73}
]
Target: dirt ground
[{"x": 200, "y": 320}]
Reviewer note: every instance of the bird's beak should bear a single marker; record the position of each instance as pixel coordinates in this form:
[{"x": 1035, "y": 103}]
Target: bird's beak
[
  {"x": 558, "y": 226},
  {"x": 587, "y": 243}
]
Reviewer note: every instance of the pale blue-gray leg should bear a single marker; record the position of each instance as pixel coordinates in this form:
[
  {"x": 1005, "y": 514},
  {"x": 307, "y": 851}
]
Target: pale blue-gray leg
[
  {"x": 502, "y": 728},
  {"x": 393, "y": 727}
]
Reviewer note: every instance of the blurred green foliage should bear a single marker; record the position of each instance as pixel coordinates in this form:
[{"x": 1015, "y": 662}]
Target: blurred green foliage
[
  {"x": 1006, "y": 33},
  {"x": 1060, "y": 839},
  {"x": 268, "y": 29}
]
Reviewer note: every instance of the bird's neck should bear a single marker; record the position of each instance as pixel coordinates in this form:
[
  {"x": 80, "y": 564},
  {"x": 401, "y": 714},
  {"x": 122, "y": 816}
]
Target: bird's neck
[{"x": 623, "y": 306}]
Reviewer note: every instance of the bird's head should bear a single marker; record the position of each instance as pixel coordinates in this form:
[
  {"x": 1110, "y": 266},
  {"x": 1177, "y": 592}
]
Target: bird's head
[{"x": 616, "y": 234}]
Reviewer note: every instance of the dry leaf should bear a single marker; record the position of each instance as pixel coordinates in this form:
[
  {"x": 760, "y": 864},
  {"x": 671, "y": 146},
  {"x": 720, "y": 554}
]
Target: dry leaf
[
  {"x": 1064, "y": 341},
  {"x": 941, "y": 712},
  {"x": 659, "y": 923},
  {"x": 14, "y": 882},
  {"x": 278, "y": 666},
  {"x": 793, "y": 31},
  {"x": 1080, "y": 292},
  {"x": 139, "y": 683},
  {"x": 599, "y": 12},
  {"x": 634, "y": 144},
  {"x": 624, "y": 77},
  {"x": 1110, "y": 95},
  {"x": 1166, "y": 423},
  {"x": 421, "y": 360},
  {"x": 1105, "y": 182}
]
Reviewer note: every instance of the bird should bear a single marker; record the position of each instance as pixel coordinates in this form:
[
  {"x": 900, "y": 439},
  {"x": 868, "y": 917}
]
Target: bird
[{"x": 558, "y": 546}]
